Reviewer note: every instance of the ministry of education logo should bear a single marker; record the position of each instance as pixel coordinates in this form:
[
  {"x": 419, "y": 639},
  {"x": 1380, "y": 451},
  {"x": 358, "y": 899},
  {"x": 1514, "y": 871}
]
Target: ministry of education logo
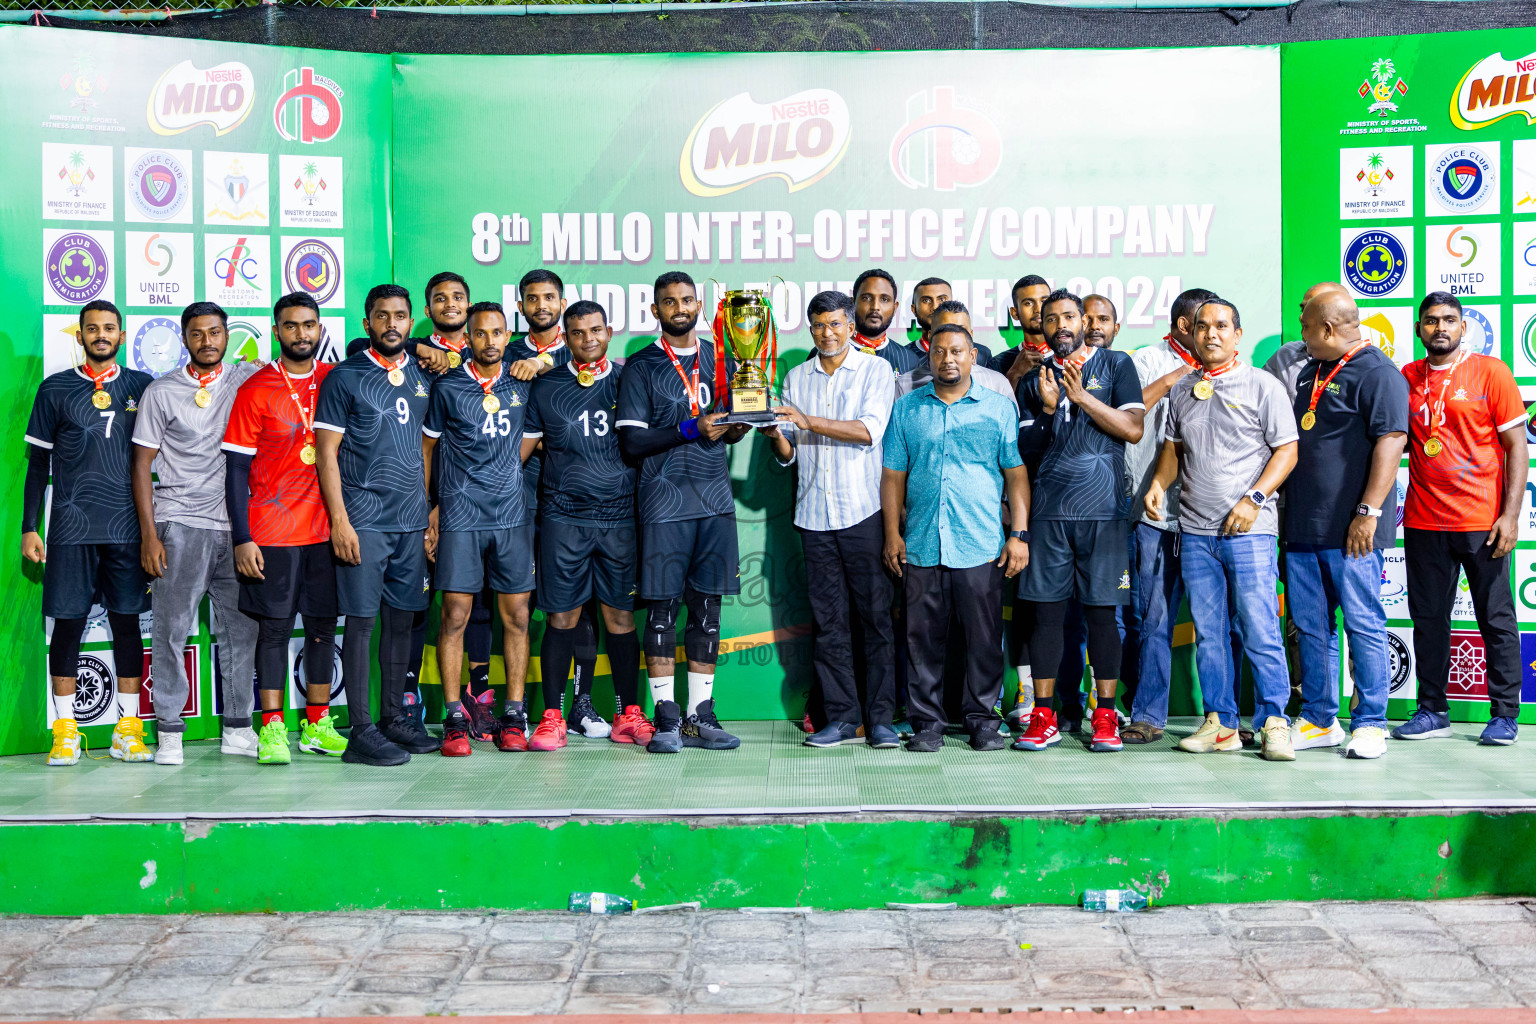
[
  {"x": 78, "y": 267},
  {"x": 1375, "y": 263},
  {"x": 1461, "y": 178},
  {"x": 157, "y": 347},
  {"x": 158, "y": 185},
  {"x": 313, "y": 266}
]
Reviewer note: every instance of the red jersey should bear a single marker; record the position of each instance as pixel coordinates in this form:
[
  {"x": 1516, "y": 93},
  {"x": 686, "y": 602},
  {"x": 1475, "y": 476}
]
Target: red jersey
[
  {"x": 1462, "y": 488},
  {"x": 266, "y": 423}
]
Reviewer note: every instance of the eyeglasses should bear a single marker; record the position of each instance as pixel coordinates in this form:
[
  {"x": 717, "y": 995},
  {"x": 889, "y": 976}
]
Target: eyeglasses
[{"x": 827, "y": 328}]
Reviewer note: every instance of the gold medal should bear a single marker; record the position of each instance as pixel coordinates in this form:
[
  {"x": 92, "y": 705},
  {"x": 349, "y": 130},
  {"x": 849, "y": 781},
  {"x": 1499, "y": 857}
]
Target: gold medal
[
  {"x": 585, "y": 378},
  {"x": 101, "y": 399},
  {"x": 1432, "y": 447},
  {"x": 868, "y": 350},
  {"x": 1204, "y": 389},
  {"x": 1308, "y": 420},
  {"x": 307, "y": 455},
  {"x": 490, "y": 403},
  {"x": 202, "y": 398},
  {"x": 546, "y": 359},
  {"x": 397, "y": 376},
  {"x": 454, "y": 359}
]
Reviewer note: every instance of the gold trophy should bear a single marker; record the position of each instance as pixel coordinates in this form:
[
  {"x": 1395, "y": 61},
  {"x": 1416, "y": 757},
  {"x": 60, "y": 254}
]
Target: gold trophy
[{"x": 744, "y": 322}]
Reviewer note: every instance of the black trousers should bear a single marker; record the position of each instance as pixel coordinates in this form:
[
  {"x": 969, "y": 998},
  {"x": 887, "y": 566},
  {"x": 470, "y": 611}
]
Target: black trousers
[
  {"x": 845, "y": 574},
  {"x": 1433, "y": 557},
  {"x": 975, "y": 597}
]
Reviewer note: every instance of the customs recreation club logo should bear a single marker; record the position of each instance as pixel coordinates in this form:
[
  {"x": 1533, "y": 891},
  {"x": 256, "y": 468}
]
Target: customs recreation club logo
[
  {"x": 312, "y": 266},
  {"x": 1382, "y": 87},
  {"x": 187, "y": 96},
  {"x": 1399, "y": 663},
  {"x": 1375, "y": 263},
  {"x": 157, "y": 347},
  {"x": 309, "y": 108},
  {"x": 77, "y": 267},
  {"x": 739, "y": 141},
  {"x": 158, "y": 185},
  {"x": 1462, "y": 178},
  {"x": 944, "y": 144},
  {"x": 1495, "y": 88}
]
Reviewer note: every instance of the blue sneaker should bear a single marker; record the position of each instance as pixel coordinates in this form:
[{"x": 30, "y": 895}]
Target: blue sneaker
[
  {"x": 1424, "y": 725},
  {"x": 833, "y": 734},
  {"x": 883, "y": 737},
  {"x": 1501, "y": 731}
]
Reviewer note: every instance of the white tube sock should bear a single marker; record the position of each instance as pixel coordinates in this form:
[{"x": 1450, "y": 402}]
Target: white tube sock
[
  {"x": 64, "y": 705},
  {"x": 701, "y": 687},
  {"x": 661, "y": 688},
  {"x": 128, "y": 705}
]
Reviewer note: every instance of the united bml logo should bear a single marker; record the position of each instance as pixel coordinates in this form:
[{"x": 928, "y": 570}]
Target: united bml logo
[
  {"x": 944, "y": 145},
  {"x": 309, "y": 108}
]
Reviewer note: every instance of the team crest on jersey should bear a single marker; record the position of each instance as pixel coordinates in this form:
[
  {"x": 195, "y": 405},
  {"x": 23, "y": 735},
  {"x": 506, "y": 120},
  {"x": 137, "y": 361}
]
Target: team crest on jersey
[
  {"x": 1125, "y": 581},
  {"x": 426, "y": 585},
  {"x": 1460, "y": 395},
  {"x": 132, "y": 405},
  {"x": 1093, "y": 384},
  {"x": 515, "y": 400},
  {"x": 421, "y": 389}
]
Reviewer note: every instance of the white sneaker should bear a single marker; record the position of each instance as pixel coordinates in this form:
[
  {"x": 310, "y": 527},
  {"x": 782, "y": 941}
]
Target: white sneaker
[
  {"x": 1275, "y": 744},
  {"x": 1305, "y": 735},
  {"x": 241, "y": 741},
  {"x": 168, "y": 748},
  {"x": 1366, "y": 742}
]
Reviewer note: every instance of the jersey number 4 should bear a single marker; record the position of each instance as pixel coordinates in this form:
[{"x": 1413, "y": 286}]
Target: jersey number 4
[
  {"x": 593, "y": 424},
  {"x": 499, "y": 422}
]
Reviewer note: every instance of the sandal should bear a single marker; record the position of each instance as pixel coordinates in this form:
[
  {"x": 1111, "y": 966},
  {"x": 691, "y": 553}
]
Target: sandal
[{"x": 1141, "y": 732}]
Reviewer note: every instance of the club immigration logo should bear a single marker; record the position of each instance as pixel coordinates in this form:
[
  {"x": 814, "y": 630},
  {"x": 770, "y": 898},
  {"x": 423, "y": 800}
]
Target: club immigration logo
[
  {"x": 309, "y": 108},
  {"x": 313, "y": 266},
  {"x": 739, "y": 141},
  {"x": 157, "y": 347},
  {"x": 1375, "y": 263},
  {"x": 186, "y": 96},
  {"x": 1495, "y": 88},
  {"x": 944, "y": 145},
  {"x": 78, "y": 269},
  {"x": 158, "y": 185},
  {"x": 1461, "y": 178}
]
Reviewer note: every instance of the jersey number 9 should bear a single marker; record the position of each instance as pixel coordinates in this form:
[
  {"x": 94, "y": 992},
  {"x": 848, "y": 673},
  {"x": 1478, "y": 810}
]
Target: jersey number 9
[{"x": 403, "y": 409}]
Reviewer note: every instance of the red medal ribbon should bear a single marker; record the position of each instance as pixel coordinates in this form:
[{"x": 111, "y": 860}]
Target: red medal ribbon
[
  {"x": 1212, "y": 374},
  {"x": 1320, "y": 383},
  {"x": 693, "y": 391},
  {"x": 306, "y": 416},
  {"x": 100, "y": 379},
  {"x": 1037, "y": 346},
  {"x": 1180, "y": 351},
  {"x": 600, "y": 367},
  {"x": 859, "y": 339},
  {"x": 383, "y": 365},
  {"x": 1439, "y": 406},
  {"x": 204, "y": 380},
  {"x": 539, "y": 350},
  {"x": 486, "y": 383},
  {"x": 442, "y": 342}
]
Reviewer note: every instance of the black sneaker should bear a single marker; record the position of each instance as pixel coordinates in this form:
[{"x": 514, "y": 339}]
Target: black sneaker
[
  {"x": 988, "y": 738},
  {"x": 406, "y": 732},
  {"x": 585, "y": 721},
  {"x": 483, "y": 727},
  {"x": 367, "y": 745},
  {"x": 703, "y": 730},
  {"x": 669, "y": 728},
  {"x": 926, "y": 741}
]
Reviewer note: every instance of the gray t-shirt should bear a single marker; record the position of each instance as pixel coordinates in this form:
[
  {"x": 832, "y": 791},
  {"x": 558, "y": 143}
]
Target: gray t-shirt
[
  {"x": 1152, "y": 362},
  {"x": 1228, "y": 440},
  {"x": 190, "y": 463},
  {"x": 1285, "y": 365}
]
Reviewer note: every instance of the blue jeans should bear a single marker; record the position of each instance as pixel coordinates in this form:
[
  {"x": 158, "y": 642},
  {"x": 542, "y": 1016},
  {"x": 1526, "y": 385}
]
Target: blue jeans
[
  {"x": 1319, "y": 582},
  {"x": 1156, "y": 594},
  {"x": 1243, "y": 570}
]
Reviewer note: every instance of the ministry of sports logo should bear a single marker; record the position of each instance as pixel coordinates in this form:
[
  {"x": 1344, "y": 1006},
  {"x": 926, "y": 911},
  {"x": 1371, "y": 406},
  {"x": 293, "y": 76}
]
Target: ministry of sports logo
[
  {"x": 1461, "y": 178},
  {"x": 1375, "y": 263},
  {"x": 157, "y": 347},
  {"x": 309, "y": 108},
  {"x": 1382, "y": 85},
  {"x": 312, "y": 266},
  {"x": 158, "y": 185},
  {"x": 77, "y": 267}
]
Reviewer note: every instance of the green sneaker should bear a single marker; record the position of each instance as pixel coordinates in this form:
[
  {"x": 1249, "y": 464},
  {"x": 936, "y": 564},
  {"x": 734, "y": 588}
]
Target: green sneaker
[
  {"x": 322, "y": 738},
  {"x": 272, "y": 744}
]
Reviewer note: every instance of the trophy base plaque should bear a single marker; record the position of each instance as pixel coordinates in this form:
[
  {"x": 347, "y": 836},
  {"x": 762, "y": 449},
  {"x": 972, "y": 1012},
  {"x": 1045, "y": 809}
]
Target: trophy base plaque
[{"x": 749, "y": 405}]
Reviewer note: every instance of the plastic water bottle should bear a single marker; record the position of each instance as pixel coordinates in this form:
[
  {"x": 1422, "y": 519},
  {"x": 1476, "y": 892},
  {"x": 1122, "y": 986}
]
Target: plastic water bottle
[
  {"x": 1112, "y": 900},
  {"x": 600, "y": 903}
]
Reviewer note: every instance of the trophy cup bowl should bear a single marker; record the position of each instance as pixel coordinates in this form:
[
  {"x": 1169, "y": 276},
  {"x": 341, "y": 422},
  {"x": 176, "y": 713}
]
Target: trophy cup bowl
[{"x": 747, "y": 323}]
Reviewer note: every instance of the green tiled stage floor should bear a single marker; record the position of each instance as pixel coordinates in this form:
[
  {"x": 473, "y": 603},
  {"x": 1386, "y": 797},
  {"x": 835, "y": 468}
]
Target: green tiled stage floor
[{"x": 771, "y": 773}]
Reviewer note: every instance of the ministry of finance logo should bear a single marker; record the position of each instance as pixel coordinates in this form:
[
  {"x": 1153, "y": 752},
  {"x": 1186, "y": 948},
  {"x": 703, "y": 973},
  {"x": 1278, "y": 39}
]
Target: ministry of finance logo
[
  {"x": 77, "y": 267},
  {"x": 1375, "y": 263},
  {"x": 157, "y": 347},
  {"x": 1461, "y": 178},
  {"x": 313, "y": 265},
  {"x": 158, "y": 186}
]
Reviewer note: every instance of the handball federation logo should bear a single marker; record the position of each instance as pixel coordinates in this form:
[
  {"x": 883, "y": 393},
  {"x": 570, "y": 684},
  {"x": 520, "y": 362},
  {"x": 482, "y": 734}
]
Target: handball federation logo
[
  {"x": 1375, "y": 263},
  {"x": 1462, "y": 179},
  {"x": 157, "y": 185},
  {"x": 77, "y": 267},
  {"x": 313, "y": 267},
  {"x": 309, "y": 108}
]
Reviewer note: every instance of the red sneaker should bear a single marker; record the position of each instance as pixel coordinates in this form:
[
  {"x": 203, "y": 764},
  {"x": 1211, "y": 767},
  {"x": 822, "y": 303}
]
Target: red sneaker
[
  {"x": 550, "y": 735},
  {"x": 456, "y": 736},
  {"x": 1042, "y": 731},
  {"x": 513, "y": 733},
  {"x": 632, "y": 727},
  {"x": 1106, "y": 730},
  {"x": 806, "y": 725}
]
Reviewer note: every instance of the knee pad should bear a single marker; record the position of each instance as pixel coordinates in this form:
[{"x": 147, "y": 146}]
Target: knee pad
[
  {"x": 661, "y": 628},
  {"x": 127, "y": 646},
  {"x": 701, "y": 638}
]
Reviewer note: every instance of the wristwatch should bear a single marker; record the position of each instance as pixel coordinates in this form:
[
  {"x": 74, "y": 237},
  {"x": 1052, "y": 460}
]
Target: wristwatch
[
  {"x": 1366, "y": 510},
  {"x": 1257, "y": 496},
  {"x": 1022, "y": 535}
]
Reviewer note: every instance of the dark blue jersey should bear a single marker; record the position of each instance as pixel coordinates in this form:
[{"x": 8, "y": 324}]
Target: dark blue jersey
[
  {"x": 534, "y": 467},
  {"x": 586, "y": 480},
  {"x": 478, "y": 460},
  {"x": 692, "y": 480},
  {"x": 92, "y": 485},
  {"x": 382, "y": 482},
  {"x": 1082, "y": 469},
  {"x": 901, "y": 357}
]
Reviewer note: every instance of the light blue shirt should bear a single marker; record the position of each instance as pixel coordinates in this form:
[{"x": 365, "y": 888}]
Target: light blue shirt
[{"x": 954, "y": 456}]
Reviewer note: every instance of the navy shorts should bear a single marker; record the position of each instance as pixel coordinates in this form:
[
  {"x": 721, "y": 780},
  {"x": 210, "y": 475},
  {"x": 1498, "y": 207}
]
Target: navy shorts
[
  {"x": 295, "y": 580},
  {"x": 1087, "y": 560},
  {"x": 578, "y": 561},
  {"x": 76, "y": 576},
  {"x": 692, "y": 554},
  {"x": 393, "y": 572},
  {"x": 469, "y": 560}
]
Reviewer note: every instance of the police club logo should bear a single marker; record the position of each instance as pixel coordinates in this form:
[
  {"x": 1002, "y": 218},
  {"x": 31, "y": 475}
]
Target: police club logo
[
  {"x": 77, "y": 267},
  {"x": 157, "y": 347},
  {"x": 313, "y": 265},
  {"x": 158, "y": 185},
  {"x": 1375, "y": 263},
  {"x": 309, "y": 108},
  {"x": 1461, "y": 178}
]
